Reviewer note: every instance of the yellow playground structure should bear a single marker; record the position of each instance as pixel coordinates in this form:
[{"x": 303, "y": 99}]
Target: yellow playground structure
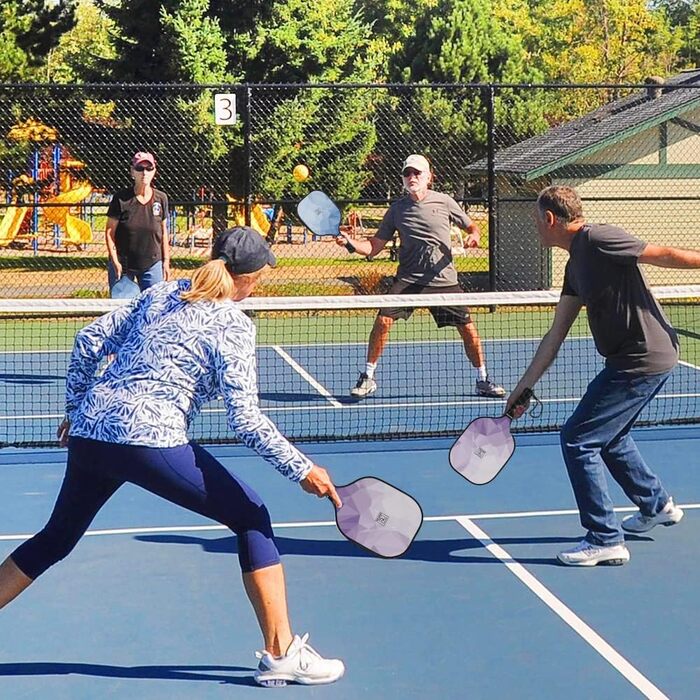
[
  {"x": 258, "y": 218},
  {"x": 76, "y": 230},
  {"x": 11, "y": 224}
]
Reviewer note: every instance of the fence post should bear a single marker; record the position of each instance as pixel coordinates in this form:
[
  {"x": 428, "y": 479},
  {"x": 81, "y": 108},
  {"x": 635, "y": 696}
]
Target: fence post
[
  {"x": 247, "y": 130},
  {"x": 492, "y": 194}
]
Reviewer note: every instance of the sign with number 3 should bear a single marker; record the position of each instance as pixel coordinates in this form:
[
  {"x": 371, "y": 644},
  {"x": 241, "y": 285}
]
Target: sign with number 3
[{"x": 225, "y": 109}]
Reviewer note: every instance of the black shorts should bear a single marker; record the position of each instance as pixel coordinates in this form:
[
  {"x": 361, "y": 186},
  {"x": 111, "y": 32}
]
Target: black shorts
[{"x": 443, "y": 315}]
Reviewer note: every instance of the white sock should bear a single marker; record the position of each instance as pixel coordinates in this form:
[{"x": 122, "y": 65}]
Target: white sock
[
  {"x": 481, "y": 373},
  {"x": 369, "y": 369}
]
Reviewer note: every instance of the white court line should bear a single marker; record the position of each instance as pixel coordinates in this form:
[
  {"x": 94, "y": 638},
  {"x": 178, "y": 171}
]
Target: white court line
[
  {"x": 316, "y": 385},
  {"x": 334, "y": 403},
  {"x": 688, "y": 364},
  {"x": 329, "y": 523},
  {"x": 614, "y": 658}
]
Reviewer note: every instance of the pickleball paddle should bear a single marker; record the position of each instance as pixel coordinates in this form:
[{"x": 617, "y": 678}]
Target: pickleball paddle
[
  {"x": 321, "y": 216},
  {"x": 125, "y": 288},
  {"x": 378, "y": 517},
  {"x": 486, "y": 445}
]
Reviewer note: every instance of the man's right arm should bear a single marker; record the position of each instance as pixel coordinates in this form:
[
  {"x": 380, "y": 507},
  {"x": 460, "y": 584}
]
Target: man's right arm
[
  {"x": 372, "y": 246},
  {"x": 663, "y": 256},
  {"x": 566, "y": 312}
]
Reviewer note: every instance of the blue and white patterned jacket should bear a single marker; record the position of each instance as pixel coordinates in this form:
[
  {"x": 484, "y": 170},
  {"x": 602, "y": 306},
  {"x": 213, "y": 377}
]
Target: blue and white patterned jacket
[{"x": 171, "y": 358}]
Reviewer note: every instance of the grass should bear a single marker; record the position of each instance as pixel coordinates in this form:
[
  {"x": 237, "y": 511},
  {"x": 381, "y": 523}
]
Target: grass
[{"x": 55, "y": 263}]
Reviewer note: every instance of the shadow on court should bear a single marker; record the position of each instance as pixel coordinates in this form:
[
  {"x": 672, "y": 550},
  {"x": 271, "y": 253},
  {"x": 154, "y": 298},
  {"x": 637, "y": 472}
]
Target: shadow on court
[
  {"x": 456, "y": 551},
  {"x": 31, "y": 378},
  {"x": 171, "y": 673}
]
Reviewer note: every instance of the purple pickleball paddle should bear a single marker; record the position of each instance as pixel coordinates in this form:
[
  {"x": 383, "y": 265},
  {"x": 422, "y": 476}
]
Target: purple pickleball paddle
[
  {"x": 486, "y": 445},
  {"x": 377, "y": 516}
]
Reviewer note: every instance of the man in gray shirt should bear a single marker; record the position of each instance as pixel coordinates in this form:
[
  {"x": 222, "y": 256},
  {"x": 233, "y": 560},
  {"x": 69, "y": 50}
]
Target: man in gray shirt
[
  {"x": 423, "y": 219},
  {"x": 640, "y": 349}
]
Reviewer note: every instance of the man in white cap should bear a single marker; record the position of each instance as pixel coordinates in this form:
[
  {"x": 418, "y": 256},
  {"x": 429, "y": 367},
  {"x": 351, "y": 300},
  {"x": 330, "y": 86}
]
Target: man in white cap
[{"x": 423, "y": 219}]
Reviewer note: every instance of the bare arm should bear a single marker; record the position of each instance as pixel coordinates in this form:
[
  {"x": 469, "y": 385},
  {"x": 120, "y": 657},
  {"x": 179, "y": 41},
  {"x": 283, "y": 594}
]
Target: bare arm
[
  {"x": 110, "y": 233},
  {"x": 663, "y": 256},
  {"x": 367, "y": 246},
  {"x": 567, "y": 310},
  {"x": 166, "y": 251}
]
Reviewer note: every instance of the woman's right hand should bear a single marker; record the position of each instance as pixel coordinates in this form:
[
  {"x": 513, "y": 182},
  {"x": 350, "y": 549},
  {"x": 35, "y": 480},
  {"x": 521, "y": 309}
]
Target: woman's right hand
[
  {"x": 319, "y": 483},
  {"x": 62, "y": 432},
  {"x": 118, "y": 269}
]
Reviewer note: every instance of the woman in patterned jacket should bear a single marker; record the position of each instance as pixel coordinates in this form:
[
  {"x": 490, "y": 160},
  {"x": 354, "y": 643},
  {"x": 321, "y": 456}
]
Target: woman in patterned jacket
[{"x": 178, "y": 345}]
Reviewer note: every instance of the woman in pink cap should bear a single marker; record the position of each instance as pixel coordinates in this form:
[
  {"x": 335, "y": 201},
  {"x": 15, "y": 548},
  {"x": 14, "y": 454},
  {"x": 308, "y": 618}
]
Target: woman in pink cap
[{"x": 137, "y": 228}]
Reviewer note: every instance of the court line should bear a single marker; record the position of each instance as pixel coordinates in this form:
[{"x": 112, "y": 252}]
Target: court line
[
  {"x": 311, "y": 380},
  {"x": 588, "y": 634},
  {"x": 328, "y": 523},
  {"x": 334, "y": 403}
]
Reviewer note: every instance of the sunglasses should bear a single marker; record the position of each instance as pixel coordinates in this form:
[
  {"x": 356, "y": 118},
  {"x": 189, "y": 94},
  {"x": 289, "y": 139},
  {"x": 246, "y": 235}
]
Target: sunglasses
[
  {"x": 410, "y": 171},
  {"x": 141, "y": 168}
]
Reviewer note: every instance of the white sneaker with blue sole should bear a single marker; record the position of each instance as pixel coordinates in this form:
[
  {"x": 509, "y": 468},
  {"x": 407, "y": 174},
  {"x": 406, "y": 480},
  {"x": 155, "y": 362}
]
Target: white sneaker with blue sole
[{"x": 301, "y": 664}]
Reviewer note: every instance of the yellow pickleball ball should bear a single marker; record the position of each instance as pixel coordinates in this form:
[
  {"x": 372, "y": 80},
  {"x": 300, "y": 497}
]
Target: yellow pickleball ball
[{"x": 300, "y": 173}]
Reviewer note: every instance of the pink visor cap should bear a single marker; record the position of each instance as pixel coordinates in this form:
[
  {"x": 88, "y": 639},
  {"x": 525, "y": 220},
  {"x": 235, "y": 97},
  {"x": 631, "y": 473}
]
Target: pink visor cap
[{"x": 143, "y": 157}]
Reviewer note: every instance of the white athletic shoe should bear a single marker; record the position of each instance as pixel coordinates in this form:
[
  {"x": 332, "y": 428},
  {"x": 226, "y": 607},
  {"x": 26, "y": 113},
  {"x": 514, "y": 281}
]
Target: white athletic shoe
[
  {"x": 669, "y": 515},
  {"x": 587, "y": 554},
  {"x": 301, "y": 664},
  {"x": 364, "y": 387}
]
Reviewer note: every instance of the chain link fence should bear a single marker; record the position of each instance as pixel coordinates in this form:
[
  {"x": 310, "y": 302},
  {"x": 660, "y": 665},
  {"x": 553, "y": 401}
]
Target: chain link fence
[{"x": 632, "y": 151}]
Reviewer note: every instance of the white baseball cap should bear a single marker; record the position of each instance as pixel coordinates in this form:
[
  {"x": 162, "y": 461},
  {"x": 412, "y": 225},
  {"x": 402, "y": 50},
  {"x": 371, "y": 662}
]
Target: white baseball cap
[{"x": 417, "y": 162}]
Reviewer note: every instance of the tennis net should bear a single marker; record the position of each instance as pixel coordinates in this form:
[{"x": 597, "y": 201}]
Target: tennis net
[{"x": 312, "y": 349}]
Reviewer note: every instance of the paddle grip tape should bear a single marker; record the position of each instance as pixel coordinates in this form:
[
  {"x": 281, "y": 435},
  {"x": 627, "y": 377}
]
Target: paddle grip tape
[
  {"x": 349, "y": 246},
  {"x": 520, "y": 401}
]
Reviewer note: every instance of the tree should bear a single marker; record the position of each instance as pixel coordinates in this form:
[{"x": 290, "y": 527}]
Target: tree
[
  {"x": 84, "y": 49},
  {"x": 14, "y": 62},
  {"x": 331, "y": 131},
  {"x": 138, "y": 41},
  {"x": 29, "y": 30},
  {"x": 458, "y": 41}
]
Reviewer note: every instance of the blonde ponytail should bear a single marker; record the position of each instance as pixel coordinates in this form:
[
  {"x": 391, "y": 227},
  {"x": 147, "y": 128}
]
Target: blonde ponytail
[{"x": 211, "y": 282}]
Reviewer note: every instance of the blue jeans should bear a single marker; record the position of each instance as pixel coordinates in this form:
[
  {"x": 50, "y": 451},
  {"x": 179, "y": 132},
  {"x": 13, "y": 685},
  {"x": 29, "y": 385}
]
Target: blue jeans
[
  {"x": 597, "y": 436},
  {"x": 145, "y": 279}
]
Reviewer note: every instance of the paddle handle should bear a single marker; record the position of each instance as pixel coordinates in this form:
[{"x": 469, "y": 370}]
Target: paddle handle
[
  {"x": 526, "y": 395},
  {"x": 348, "y": 246}
]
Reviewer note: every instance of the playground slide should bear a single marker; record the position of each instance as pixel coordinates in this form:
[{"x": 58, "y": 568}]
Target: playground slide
[
  {"x": 77, "y": 231},
  {"x": 11, "y": 224},
  {"x": 258, "y": 219}
]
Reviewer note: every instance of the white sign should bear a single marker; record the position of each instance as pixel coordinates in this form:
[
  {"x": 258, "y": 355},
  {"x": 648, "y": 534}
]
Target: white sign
[{"x": 225, "y": 109}]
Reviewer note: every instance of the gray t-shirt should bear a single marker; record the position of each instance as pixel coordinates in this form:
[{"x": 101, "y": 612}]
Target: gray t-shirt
[
  {"x": 425, "y": 253},
  {"x": 628, "y": 326}
]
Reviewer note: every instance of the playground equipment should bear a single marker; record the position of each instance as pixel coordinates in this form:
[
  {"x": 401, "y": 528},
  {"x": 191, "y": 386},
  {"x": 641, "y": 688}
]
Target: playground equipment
[
  {"x": 258, "y": 218},
  {"x": 77, "y": 231},
  {"x": 11, "y": 224},
  {"x": 50, "y": 186}
]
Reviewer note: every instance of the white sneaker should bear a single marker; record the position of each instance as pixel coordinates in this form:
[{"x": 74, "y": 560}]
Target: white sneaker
[
  {"x": 587, "y": 554},
  {"x": 669, "y": 515},
  {"x": 301, "y": 664},
  {"x": 364, "y": 387}
]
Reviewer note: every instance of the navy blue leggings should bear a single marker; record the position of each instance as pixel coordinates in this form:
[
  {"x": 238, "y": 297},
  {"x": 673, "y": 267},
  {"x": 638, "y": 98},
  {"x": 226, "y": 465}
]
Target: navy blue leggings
[{"x": 187, "y": 476}]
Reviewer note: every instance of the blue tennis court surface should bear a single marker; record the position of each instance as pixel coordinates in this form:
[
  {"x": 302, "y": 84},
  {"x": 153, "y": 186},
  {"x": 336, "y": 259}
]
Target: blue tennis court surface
[{"x": 150, "y": 604}]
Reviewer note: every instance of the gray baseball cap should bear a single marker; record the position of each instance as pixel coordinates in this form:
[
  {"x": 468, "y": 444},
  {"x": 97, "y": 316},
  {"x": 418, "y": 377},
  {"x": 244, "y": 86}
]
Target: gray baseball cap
[{"x": 243, "y": 249}]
